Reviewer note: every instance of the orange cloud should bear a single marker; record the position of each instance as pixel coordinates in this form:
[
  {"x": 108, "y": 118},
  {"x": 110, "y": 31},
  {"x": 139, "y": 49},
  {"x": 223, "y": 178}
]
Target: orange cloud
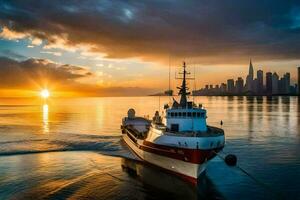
[{"x": 26, "y": 78}]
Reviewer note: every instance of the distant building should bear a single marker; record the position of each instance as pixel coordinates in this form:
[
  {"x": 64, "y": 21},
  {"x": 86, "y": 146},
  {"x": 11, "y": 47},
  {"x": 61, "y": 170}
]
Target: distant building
[
  {"x": 260, "y": 82},
  {"x": 239, "y": 85},
  {"x": 281, "y": 85},
  {"x": 275, "y": 82},
  {"x": 269, "y": 83},
  {"x": 287, "y": 83},
  {"x": 249, "y": 79},
  {"x": 255, "y": 86},
  {"x": 293, "y": 89},
  {"x": 223, "y": 88},
  {"x": 168, "y": 92},
  {"x": 230, "y": 86},
  {"x": 284, "y": 84}
]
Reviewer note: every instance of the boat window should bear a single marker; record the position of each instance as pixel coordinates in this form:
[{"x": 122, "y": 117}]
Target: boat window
[
  {"x": 198, "y": 114},
  {"x": 189, "y": 114},
  {"x": 179, "y": 114},
  {"x": 169, "y": 114},
  {"x": 175, "y": 114},
  {"x": 174, "y": 127},
  {"x": 202, "y": 115},
  {"x": 194, "y": 114},
  {"x": 172, "y": 114},
  {"x": 184, "y": 114}
]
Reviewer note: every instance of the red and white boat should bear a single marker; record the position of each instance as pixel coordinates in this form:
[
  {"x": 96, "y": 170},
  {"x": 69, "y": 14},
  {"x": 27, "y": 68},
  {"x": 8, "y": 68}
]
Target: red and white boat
[{"x": 180, "y": 142}]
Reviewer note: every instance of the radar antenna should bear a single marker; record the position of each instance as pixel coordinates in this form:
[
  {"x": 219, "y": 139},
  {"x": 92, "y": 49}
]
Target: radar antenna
[{"x": 183, "y": 90}]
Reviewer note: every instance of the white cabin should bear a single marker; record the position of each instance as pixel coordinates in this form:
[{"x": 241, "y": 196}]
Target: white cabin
[{"x": 186, "y": 120}]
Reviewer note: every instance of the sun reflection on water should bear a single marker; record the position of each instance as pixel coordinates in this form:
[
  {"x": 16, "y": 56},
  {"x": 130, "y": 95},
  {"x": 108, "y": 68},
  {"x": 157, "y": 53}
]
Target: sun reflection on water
[{"x": 45, "y": 118}]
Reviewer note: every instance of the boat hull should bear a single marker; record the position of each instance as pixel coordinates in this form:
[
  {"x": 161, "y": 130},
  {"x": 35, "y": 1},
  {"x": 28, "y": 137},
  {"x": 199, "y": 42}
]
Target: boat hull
[{"x": 188, "y": 171}]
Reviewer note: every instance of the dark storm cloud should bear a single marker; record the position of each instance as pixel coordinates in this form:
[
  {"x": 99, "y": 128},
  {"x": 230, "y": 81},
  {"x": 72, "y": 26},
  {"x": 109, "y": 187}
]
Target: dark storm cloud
[
  {"x": 215, "y": 31},
  {"x": 37, "y": 72}
]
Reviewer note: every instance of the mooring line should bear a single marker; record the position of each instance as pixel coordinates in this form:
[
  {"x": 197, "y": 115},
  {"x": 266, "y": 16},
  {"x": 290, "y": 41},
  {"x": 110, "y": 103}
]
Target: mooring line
[
  {"x": 107, "y": 173},
  {"x": 277, "y": 194}
]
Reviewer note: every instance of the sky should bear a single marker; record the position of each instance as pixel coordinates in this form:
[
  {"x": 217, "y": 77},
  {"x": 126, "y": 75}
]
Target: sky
[{"x": 125, "y": 48}]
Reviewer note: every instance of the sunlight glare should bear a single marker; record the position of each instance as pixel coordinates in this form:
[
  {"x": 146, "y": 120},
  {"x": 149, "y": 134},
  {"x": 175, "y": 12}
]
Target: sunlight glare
[
  {"x": 45, "y": 118},
  {"x": 45, "y": 93}
]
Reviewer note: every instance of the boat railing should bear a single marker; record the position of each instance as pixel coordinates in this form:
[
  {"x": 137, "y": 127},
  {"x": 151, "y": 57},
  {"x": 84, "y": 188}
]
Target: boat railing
[
  {"x": 135, "y": 132},
  {"x": 214, "y": 130},
  {"x": 211, "y": 131}
]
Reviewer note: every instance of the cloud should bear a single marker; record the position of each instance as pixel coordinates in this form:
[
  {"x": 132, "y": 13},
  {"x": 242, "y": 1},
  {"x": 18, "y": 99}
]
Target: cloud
[
  {"x": 99, "y": 64},
  {"x": 12, "y": 35},
  {"x": 52, "y": 53},
  {"x": 8, "y": 34},
  {"x": 36, "y": 42},
  {"x": 11, "y": 54},
  {"x": 210, "y": 31},
  {"x": 34, "y": 74}
]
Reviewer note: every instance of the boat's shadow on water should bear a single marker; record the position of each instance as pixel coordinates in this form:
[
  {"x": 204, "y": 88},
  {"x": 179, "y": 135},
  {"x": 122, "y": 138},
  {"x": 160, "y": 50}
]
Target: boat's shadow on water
[{"x": 162, "y": 185}]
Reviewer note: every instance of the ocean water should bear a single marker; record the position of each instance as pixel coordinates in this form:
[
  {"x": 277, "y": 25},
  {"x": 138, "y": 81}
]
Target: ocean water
[{"x": 71, "y": 149}]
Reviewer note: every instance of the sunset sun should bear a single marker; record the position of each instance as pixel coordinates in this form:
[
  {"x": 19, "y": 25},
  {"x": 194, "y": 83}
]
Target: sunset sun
[{"x": 45, "y": 93}]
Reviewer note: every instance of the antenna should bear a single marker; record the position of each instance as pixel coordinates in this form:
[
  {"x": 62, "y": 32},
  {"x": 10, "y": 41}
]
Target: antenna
[
  {"x": 169, "y": 92},
  {"x": 158, "y": 103},
  {"x": 193, "y": 92},
  {"x": 169, "y": 74},
  {"x": 183, "y": 89}
]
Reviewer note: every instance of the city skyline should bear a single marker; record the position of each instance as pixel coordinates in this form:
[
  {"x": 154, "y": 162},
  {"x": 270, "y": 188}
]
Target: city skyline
[{"x": 270, "y": 84}]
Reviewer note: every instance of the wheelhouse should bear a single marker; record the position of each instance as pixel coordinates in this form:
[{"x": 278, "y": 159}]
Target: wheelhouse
[{"x": 185, "y": 116}]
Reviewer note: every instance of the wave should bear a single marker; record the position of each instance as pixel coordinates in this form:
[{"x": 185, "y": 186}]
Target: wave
[{"x": 60, "y": 142}]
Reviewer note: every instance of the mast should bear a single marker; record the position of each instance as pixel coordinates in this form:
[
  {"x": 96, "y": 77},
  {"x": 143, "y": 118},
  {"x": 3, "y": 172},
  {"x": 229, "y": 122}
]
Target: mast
[
  {"x": 169, "y": 75},
  {"x": 183, "y": 89}
]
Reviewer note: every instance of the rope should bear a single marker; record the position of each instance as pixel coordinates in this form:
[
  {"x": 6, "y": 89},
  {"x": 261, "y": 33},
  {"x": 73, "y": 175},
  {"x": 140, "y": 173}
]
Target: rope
[
  {"x": 275, "y": 193},
  {"x": 104, "y": 172}
]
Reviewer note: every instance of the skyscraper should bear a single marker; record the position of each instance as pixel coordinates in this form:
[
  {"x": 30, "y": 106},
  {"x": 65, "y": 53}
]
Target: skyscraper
[
  {"x": 251, "y": 73},
  {"x": 275, "y": 80},
  {"x": 230, "y": 86},
  {"x": 239, "y": 84},
  {"x": 223, "y": 88},
  {"x": 260, "y": 82},
  {"x": 254, "y": 86},
  {"x": 249, "y": 79},
  {"x": 281, "y": 85},
  {"x": 269, "y": 83},
  {"x": 287, "y": 82}
]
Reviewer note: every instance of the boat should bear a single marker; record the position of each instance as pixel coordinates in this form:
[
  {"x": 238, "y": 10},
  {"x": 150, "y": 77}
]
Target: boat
[{"x": 178, "y": 140}]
